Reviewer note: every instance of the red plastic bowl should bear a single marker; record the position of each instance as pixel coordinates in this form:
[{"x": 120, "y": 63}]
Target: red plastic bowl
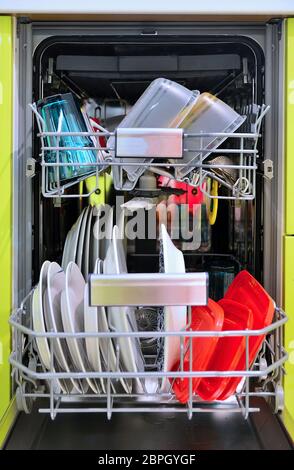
[
  {"x": 247, "y": 290},
  {"x": 204, "y": 318},
  {"x": 229, "y": 350}
]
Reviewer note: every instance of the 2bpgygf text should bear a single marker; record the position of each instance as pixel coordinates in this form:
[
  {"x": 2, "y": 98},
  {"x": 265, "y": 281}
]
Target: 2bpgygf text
[{"x": 147, "y": 459}]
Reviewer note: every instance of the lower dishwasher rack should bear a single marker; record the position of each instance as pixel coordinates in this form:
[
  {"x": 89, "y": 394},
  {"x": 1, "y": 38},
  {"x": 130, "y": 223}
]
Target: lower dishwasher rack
[{"x": 33, "y": 381}]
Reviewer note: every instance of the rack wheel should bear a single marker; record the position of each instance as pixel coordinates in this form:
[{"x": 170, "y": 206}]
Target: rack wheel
[
  {"x": 279, "y": 398},
  {"x": 24, "y": 403}
]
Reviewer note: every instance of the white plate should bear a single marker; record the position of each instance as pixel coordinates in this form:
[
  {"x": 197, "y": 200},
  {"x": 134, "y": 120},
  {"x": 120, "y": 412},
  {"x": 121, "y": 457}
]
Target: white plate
[
  {"x": 38, "y": 316},
  {"x": 65, "y": 254},
  {"x": 175, "y": 317},
  {"x": 95, "y": 237},
  {"x": 123, "y": 319},
  {"x": 105, "y": 235},
  {"x": 39, "y": 327},
  {"x": 86, "y": 254},
  {"x": 71, "y": 242},
  {"x": 106, "y": 345},
  {"x": 82, "y": 233},
  {"x": 72, "y": 313},
  {"x": 52, "y": 313},
  {"x": 94, "y": 242},
  {"x": 92, "y": 344}
]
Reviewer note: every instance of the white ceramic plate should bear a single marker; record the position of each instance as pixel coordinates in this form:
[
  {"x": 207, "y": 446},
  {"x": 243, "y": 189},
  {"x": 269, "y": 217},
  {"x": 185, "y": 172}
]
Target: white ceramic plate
[
  {"x": 123, "y": 318},
  {"x": 65, "y": 254},
  {"x": 95, "y": 237},
  {"x": 39, "y": 327},
  {"x": 105, "y": 231},
  {"x": 86, "y": 254},
  {"x": 71, "y": 246},
  {"x": 175, "y": 317},
  {"x": 81, "y": 241},
  {"x": 92, "y": 344},
  {"x": 52, "y": 313},
  {"x": 72, "y": 313},
  {"x": 38, "y": 316},
  {"x": 106, "y": 345}
]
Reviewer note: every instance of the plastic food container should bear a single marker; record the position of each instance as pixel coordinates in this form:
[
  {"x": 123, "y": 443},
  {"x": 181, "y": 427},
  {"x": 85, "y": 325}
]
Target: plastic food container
[
  {"x": 208, "y": 115},
  {"x": 229, "y": 350},
  {"x": 61, "y": 113},
  {"x": 204, "y": 318},
  {"x": 163, "y": 104},
  {"x": 247, "y": 290}
]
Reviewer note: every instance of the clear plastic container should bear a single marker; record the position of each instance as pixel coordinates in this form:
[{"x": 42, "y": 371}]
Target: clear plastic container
[
  {"x": 163, "y": 104},
  {"x": 208, "y": 114},
  {"x": 61, "y": 113}
]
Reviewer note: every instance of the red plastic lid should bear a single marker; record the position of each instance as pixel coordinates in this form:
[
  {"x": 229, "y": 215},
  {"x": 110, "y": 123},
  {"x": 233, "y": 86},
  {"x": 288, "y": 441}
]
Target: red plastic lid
[
  {"x": 204, "y": 318},
  {"x": 229, "y": 350},
  {"x": 248, "y": 291}
]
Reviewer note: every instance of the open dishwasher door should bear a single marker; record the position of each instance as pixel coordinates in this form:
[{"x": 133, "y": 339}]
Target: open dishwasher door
[{"x": 107, "y": 68}]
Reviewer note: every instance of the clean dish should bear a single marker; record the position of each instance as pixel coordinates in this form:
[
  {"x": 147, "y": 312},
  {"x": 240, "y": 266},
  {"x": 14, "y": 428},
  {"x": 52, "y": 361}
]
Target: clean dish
[
  {"x": 38, "y": 316},
  {"x": 175, "y": 317},
  {"x": 203, "y": 318},
  {"x": 229, "y": 350},
  {"x": 81, "y": 241},
  {"x": 39, "y": 327},
  {"x": 105, "y": 230},
  {"x": 163, "y": 104},
  {"x": 71, "y": 243},
  {"x": 106, "y": 344},
  {"x": 94, "y": 239},
  {"x": 52, "y": 314},
  {"x": 72, "y": 313},
  {"x": 92, "y": 344},
  {"x": 65, "y": 254},
  {"x": 86, "y": 255},
  {"x": 123, "y": 319},
  {"x": 209, "y": 114},
  {"x": 247, "y": 290}
]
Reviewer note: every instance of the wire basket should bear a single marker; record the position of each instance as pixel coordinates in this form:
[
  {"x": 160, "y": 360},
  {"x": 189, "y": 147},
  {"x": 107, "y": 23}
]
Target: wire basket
[
  {"x": 34, "y": 381},
  {"x": 234, "y": 168}
]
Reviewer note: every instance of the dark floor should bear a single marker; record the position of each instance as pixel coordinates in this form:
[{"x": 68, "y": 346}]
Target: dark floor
[{"x": 149, "y": 431}]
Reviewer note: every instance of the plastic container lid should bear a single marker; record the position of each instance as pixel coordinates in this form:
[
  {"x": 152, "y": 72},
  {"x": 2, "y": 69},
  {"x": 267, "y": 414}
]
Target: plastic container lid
[
  {"x": 247, "y": 290},
  {"x": 229, "y": 350},
  {"x": 204, "y": 318},
  {"x": 208, "y": 114},
  {"x": 164, "y": 104}
]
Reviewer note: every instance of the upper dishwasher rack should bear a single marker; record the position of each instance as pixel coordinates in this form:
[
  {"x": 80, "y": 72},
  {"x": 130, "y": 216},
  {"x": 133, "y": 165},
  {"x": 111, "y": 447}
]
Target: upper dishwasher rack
[{"x": 234, "y": 168}]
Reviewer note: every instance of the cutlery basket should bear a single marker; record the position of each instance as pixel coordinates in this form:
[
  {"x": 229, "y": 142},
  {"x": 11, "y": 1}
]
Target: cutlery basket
[{"x": 33, "y": 381}]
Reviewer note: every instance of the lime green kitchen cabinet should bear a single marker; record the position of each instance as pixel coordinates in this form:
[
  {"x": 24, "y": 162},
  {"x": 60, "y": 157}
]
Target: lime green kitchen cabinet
[
  {"x": 289, "y": 228},
  {"x": 6, "y": 159}
]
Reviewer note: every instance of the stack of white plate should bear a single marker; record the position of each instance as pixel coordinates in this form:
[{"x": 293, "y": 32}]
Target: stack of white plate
[
  {"x": 61, "y": 304},
  {"x": 89, "y": 238}
]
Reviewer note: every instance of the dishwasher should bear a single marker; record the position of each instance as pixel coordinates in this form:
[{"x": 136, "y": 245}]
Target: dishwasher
[{"x": 228, "y": 197}]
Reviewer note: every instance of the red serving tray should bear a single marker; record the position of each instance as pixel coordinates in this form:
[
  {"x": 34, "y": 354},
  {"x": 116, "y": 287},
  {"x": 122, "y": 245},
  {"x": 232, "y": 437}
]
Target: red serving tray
[
  {"x": 204, "y": 318},
  {"x": 247, "y": 290},
  {"x": 229, "y": 350}
]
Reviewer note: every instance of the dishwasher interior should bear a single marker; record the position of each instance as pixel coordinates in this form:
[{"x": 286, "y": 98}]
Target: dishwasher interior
[{"x": 107, "y": 75}]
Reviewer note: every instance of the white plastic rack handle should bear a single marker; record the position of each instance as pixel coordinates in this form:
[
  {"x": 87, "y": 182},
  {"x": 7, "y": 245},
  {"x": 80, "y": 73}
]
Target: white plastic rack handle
[{"x": 141, "y": 289}]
